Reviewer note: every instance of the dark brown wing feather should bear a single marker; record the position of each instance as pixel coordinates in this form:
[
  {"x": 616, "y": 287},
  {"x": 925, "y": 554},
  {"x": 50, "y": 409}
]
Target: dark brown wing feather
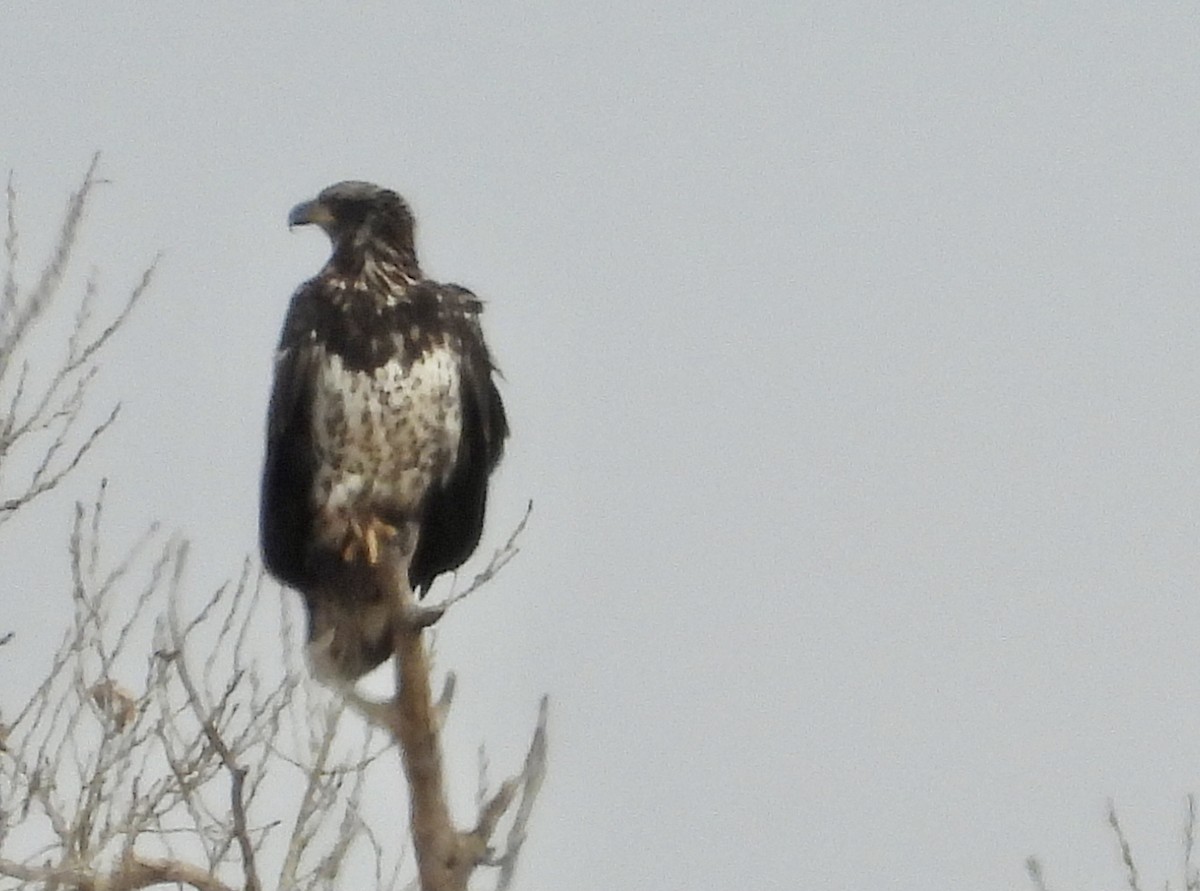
[
  {"x": 286, "y": 514},
  {"x": 453, "y": 517}
]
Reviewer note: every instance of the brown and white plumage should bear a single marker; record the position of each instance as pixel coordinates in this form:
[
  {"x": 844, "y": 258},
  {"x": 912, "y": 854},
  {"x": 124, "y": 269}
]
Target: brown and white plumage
[{"x": 383, "y": 428}]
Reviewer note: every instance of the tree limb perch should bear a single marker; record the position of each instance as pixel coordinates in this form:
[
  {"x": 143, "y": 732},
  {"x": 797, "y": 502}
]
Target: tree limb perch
[{"x": 446, "y": 856}]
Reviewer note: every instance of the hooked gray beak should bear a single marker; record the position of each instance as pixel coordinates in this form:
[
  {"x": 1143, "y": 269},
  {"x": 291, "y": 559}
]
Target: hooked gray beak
[{"x": 309, "y": 212}]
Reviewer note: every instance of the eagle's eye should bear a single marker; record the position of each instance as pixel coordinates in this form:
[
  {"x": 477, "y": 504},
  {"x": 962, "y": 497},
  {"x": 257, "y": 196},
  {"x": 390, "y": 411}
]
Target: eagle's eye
[{"x": 350, "y": 215}]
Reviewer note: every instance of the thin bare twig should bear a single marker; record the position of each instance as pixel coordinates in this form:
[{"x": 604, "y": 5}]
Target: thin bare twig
[
  {"x": 23, "y": 313},
  {"x": 1131, "y": 873},
  {"x": 8, "y": 301},
  {"x": 47, "y": 423},
  {"x": 1191, "y": 877},
  {"x": 204, "y": 715},
  {"x": 500, "y": 558},
  {"x": 1033, "y": 867},
  {"x": 530, "y": 780}
]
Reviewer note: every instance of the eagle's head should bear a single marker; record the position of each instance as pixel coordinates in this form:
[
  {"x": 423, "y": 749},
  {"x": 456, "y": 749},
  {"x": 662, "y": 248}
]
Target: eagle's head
[{"x": 358, "y": 215}]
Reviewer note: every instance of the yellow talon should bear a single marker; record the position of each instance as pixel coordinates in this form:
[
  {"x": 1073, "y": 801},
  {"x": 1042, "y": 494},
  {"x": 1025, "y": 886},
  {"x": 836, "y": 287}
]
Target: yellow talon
[
  {"x": 376, "y": 532},
  {"x": 353, "y": 537},
  {"x": 366, "y": 538},
  {"x": 371, "y": 543}
]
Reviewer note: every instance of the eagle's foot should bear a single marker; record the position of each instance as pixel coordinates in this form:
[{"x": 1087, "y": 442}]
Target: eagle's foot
[
  {"x": 367, "y": 539},
  {"x": 420, "y": 617},
  {"x": 376, "y": 534}
]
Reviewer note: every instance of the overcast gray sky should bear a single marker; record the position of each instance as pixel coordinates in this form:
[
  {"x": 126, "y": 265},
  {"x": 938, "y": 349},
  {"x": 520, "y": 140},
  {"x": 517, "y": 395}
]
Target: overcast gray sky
[{"x": 851, "y": 357}]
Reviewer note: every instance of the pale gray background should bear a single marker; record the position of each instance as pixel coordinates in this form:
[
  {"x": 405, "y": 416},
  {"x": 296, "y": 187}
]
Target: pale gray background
[{"x": 852, "y": 361}]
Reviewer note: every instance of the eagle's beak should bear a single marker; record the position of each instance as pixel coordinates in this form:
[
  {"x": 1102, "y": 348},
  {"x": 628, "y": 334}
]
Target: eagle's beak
[{"x": 310, "y": 212}]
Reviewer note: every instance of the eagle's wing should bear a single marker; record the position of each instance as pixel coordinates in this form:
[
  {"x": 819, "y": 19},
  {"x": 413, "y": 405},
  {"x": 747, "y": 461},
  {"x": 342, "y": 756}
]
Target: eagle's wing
[
  {"x": 481, "y": 400},
  {"x": 285, "y": 522},
  {"x": 454, "y": 511}
]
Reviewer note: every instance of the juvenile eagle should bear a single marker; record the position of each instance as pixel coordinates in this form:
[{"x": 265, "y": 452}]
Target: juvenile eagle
[{"x": 383, "y": 427}]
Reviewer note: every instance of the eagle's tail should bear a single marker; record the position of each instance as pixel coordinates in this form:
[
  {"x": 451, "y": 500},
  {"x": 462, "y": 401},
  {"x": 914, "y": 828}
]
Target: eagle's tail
[{"x": 350, "y": 628}]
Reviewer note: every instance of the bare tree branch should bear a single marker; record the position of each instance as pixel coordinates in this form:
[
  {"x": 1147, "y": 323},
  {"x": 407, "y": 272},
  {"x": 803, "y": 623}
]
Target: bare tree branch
[
  {"x": 446, "y": 855},
  {"x": 45, "y": 431},
  {"x": 98, "y": 773},
  {"x": 237, "y": 773},
  {"x": 20, "y": 315},
  {"x": 134, "y": 873},
  {"x": 530, "y": 782}
]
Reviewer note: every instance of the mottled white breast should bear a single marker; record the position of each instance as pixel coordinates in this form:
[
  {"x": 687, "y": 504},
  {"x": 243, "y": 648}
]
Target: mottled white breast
[{"x": 383, "y": 438}]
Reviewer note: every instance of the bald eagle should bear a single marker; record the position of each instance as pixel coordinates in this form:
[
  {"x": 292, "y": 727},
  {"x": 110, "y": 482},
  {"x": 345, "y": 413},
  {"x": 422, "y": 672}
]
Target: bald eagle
[{"x": 383, "y": 428}]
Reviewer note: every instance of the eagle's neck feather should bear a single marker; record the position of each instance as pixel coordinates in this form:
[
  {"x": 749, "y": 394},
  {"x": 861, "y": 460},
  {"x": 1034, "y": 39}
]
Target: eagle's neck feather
[
  {"x": 382, "y": 275},
  {"x": 376, "y": 267}
]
